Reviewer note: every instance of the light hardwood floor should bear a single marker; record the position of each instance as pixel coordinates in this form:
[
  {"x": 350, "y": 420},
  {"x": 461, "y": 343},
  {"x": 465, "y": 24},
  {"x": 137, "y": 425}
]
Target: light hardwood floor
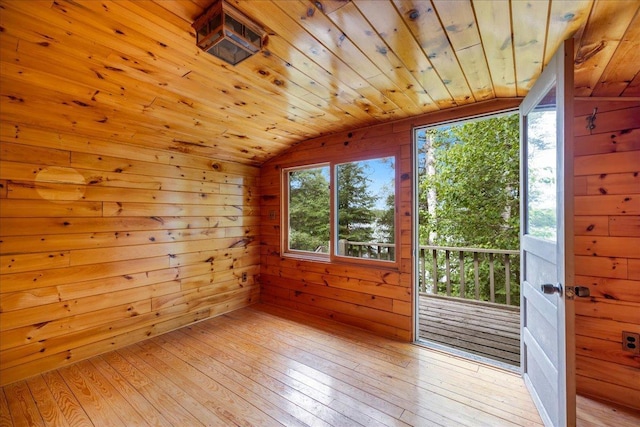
[{"x": 266, "y": 366}]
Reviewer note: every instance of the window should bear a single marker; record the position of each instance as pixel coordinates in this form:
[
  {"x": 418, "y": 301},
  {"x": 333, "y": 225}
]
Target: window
[
  {"x": 309, "y": 209},
  {"x": 365, "y": 208},
  {"x": 358, "y": 195}
]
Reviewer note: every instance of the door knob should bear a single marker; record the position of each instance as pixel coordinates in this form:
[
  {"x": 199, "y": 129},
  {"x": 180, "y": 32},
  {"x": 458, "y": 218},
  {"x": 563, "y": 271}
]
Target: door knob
[{"x": 550, "y": 288}]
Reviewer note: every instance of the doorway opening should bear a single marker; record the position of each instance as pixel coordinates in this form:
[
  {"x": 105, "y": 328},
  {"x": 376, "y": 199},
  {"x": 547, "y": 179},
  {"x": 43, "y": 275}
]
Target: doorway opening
[{"x": 467, "y": 235}]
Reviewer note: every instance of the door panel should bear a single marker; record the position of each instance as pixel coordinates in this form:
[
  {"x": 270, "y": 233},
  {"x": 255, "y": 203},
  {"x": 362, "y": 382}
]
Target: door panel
[{"x": 546, "y": 255}]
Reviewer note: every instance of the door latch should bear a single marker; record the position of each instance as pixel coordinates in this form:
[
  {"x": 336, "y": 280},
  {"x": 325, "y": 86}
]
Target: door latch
[{"x": 577, "y": 291}]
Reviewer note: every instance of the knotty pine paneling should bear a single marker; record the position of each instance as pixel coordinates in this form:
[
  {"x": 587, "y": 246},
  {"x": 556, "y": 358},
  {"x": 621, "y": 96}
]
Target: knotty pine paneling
[
  {"x": 374, "y": 297},
  {"x": 607, "y": 248},
  {"x": 103, "y": 244}
]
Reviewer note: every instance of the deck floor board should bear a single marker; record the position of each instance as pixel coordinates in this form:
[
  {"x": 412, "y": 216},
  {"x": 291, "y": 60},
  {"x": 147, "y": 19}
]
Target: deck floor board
[{"x": 488, "y": 331}]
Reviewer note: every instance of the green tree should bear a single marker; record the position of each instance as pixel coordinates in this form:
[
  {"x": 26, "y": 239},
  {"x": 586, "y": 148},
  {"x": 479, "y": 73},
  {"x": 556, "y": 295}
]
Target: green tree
[
  {"x": 476, "y": 184},
  {"x": 356, "y": 214},
  {"x": 309, "y": 210}
]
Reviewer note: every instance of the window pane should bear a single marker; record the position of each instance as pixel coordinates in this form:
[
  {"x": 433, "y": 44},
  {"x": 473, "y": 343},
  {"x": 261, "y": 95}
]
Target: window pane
[
  {"x": 365, "y": 209},
  {"x": 309, "y": 209},
  {"x": 541, "y": 163}
]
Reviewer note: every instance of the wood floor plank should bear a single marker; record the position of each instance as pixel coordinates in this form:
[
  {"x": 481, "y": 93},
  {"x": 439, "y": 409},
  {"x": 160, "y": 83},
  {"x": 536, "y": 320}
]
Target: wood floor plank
[
  {"x": 286, "y": 412},
  {"x": 151, "y": 414},
  {"x": 265, "y": 365},
  {"x": 23, "y": 409},
  {"x": 51, "y": 413},
  {"x": 374, "y": 368},
  {"x": 278, "y": 366},
  {"x": 73, "y": 411},
  {"x": 5, "y": 416},
  {"x": 98, "y": 410},
  {"x": 227, "y": 406},
  {"x": 321, "y": 399},
  {"x": 358, "y": 386},
  {"x": 199, "y": 412},
  {"x": 111, "y": 395},
  {"x": 595, "y": 413},
  {"x": 159, "y": 396}
]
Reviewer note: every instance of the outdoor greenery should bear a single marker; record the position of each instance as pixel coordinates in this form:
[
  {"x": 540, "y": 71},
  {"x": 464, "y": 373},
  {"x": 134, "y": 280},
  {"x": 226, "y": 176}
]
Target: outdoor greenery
[
  {"x": 469, "y": 197},
  {"x": 361, "y": 216},
  {"x": 309, "y": 209}
]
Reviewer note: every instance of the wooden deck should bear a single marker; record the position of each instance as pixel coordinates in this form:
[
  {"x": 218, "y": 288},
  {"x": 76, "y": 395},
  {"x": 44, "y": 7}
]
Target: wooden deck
[
  {"x": 265, "y": 366},
  {"x": 486, "y": 330}
]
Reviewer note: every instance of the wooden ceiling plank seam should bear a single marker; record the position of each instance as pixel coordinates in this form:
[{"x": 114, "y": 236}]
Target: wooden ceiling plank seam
[
  {"x": 54, "y": 67},
  {"x": 620, "y": 70},
  {"x": 384, "y": 17},
  {"x": 187, "y": 11},
  {"x": 425, "y": 25},
  {"x": 633, "y": 89},
  {"x": 496, "y": 37},
  {"x": 23, "y": 16},
  {"x": 271, "y": 92},
  {"x": 528, "y": 48},
  {"x": 87, "y": 96},
  {"x": 305, "y": 134},
  {"x": 339, "y": 43},
  {"x": 605, "y": 28},
  {"x": 145, "y": 21},
  {"x": 324, "y": 32},
  {"x": 459, "y": 21},
  {"x": 350, "y": 101},
  {"x": 293, "y": 75},
  {"x": 565, "y": 19},
  {"x": 358, "y": 29},
  {"x": 287, "y": 28}
]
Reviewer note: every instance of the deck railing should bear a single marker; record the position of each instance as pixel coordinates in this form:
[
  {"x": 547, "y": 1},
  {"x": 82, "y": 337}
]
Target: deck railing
[
  {"x": 471, "y": 273},
  {"x": 372, "y": 250}
]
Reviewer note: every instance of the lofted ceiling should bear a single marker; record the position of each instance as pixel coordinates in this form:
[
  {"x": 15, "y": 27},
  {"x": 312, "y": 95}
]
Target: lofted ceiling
[{"x": 129, "y": 71}]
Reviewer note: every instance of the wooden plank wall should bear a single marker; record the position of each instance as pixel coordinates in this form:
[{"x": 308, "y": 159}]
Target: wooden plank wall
[
  {"x": 104, "y": 244},
  {"x": 607, "y": 248},
  {"x": 372, "y": 297}
]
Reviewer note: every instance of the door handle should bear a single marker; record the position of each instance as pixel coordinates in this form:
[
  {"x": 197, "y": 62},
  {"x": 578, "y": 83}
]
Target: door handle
[{"x": 550, "y": 288}]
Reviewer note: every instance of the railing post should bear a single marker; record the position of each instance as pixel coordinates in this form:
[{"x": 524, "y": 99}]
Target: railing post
[
  {"x": 507, "y": 279},
  {"x": 434, "y": 282},
  {"x": 342, "y": 247},
  {"x": 447, "y": 272},
  {"x": 476, "y": 275},
  {"x": 462, "y": 290},
  {"x": 492, "y": 282},
  {"x": 423, "y": 273}
]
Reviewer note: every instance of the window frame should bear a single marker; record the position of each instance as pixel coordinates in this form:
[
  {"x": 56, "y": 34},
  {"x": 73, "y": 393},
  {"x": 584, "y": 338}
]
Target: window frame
[
  {"x": 332, "y": 256},
  {"x": 285, "y": 226}
]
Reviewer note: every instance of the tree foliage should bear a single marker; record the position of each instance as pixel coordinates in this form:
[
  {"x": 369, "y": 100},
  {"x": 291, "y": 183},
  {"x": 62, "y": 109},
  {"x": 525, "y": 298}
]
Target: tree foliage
[
  {"x": 476, "y": 185},
  {"x": 356, "y": 203},
  {"x": 309, "y": 210}
]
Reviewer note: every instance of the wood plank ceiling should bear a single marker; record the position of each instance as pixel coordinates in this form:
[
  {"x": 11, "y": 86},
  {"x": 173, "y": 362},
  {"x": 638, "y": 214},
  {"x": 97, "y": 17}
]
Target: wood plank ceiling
[{"x": 129, "y": 71}]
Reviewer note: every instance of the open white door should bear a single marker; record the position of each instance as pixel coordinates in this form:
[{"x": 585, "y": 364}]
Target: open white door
[{"x": 547, "y": 312}]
